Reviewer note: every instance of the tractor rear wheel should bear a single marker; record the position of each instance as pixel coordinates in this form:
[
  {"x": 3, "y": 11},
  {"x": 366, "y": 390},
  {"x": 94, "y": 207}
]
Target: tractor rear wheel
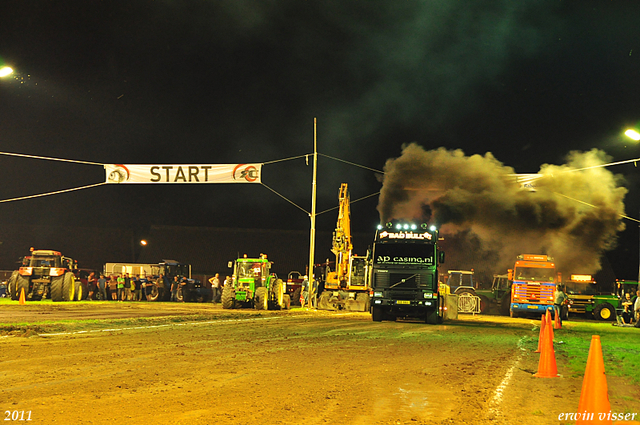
[
  {"x": 228, "y": 297},
  {"x": 296, "y": 297},
  {"x": 68, "y": 287},
  {"x": 278, "y": 293},
  {"x": 286, "y": 302},
  {"x": 56, "y": 288},
  {"x": 485, "y": 304},
  {"x": 79, "y": 289},
  {"x": 22, "y": 283},
  {"x": 505, "y": 304},
  {"x": 154, "y": 293},
  {"x": 260, "y": 301},
  {"x": 11, "y": 286}
]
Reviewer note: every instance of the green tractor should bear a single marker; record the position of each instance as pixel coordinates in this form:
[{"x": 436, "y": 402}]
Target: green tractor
[
  {"x": 253, "y": 285},
  {"x": 585, "y": 298},
  {"x": 498, "y": 297}
]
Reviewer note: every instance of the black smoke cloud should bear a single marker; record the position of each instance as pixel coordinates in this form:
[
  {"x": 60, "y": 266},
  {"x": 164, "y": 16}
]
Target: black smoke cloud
[{"x": 487, "y": 218}]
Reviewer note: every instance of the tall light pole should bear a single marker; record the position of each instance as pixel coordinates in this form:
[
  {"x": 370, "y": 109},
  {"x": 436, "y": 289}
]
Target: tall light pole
[
  {"x": 312, "y": 216},
  {"x": 634, "y": 135}
]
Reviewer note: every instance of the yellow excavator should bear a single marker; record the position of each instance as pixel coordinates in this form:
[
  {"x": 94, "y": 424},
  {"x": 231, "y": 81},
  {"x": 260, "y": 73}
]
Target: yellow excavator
[{"x": 347, "y": 287}]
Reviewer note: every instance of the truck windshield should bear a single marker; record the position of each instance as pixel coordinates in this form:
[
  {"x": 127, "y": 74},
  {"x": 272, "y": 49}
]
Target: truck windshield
[
  {"x": 535, "y": 274},
  {"x": 404, "y": 253}
]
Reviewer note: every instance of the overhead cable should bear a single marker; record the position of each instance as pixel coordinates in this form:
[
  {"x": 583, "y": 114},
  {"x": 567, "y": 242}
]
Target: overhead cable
[{"x": 52, "y": 193}]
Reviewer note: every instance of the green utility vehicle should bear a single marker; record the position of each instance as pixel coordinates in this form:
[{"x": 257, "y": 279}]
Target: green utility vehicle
[
  {"x": 253, "y": 285},
  {"x": 584, "y": 297}
]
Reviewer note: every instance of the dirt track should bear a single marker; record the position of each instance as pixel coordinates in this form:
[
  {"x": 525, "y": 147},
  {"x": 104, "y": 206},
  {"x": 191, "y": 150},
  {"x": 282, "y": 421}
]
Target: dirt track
[{"x": 278, "y": 367}]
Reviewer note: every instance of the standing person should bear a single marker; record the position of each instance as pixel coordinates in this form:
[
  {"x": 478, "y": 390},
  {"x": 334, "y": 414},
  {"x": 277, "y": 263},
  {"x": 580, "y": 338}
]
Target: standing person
[
  {"x": 174, "y": 288},
  {"x": 113, "y": 288},
  {"x": 161, "y": 283},
  {"x": 215, "y": 287},
  {"x": 559, "y": 299},
  {"x": 305, "y": 290},
  {"x": 120, "y": 288},
  {"x": 127, "y": 287},
  {"x": 314, "y": 297},
  {"x": 143, "y": 287},
  {"x": 91, "y": 285},
  {"x": 636, "y": 309},
  {"x": 137, "y": 296},
  {"x": 102, "y": 287}
]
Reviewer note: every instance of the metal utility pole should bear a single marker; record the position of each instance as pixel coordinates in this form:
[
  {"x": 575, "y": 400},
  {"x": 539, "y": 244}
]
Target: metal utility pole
[{"x": 312, "y": 237}]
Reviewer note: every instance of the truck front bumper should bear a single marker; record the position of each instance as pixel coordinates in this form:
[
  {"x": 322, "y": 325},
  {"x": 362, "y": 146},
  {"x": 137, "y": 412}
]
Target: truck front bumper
[
  {"x": 431, "y": 303},
  {"x": 531, "y": 308}
]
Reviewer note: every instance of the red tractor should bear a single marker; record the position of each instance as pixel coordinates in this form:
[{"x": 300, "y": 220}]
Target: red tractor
[{"x": 46, "y": 274}]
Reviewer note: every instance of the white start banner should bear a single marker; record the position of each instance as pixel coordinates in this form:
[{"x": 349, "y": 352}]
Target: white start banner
[{"x": 201, "y": 173}]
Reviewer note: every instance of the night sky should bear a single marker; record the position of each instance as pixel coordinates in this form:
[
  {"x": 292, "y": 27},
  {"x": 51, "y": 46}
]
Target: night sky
[{"x": 239, "y": 81}]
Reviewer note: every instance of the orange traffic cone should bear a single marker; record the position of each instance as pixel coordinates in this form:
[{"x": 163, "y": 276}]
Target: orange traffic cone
[
  {"x": 543, "y": 324},
  {"x": 594, "y": 398},
  {"x": 21, "y": 297},
  {"x": 550, "y": 328},
  {"x": 547, "y": 367},
  {"x": 557, "y": 324}
]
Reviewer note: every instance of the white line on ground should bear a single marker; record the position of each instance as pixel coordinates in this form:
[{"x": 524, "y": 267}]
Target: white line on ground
[
  {"x": 209, "y": 322},
  {"x": 494, "y": 403}
]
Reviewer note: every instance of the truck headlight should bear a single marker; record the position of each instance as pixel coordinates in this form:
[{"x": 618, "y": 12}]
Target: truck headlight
[{"x": 377, "y": 294}]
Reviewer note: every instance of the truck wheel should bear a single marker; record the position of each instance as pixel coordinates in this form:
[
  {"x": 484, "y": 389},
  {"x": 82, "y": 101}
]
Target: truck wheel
[
  {"x": 432, "y": 317},
  {"x": 513, "y": 314},
  {"x": 377, "y": 313},
  {"x": 56, "y": 288},
  {"x": 22, "y": 283},
  {"x": 68, "y": 287},
  {"x": 286, "y": 302},
  {"x": 604, "y": 311},
  {"x": 260, "y": 301},
  {"x": 296, "y": 297},
  {"x": 228, "y": 297}
]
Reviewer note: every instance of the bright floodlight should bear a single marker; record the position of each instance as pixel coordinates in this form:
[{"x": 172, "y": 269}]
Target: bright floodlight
[
  {"x": 632, "y": 134},
  {"x": 5, "y": 71},
  {"x": 433, "y": 228},
  {"x": 143, "y": 242}
]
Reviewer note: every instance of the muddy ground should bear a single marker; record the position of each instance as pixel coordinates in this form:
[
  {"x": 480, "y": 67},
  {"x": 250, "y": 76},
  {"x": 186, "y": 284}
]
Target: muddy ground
[{"x": 164, "y": 363}]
